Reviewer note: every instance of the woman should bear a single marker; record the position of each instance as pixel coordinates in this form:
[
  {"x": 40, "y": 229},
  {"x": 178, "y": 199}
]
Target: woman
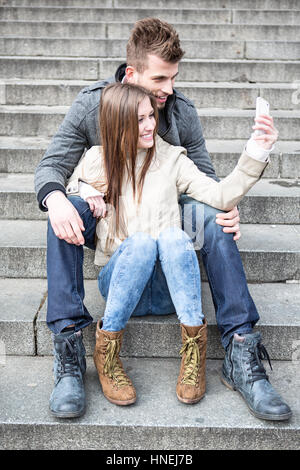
[{"x": 151, "y": 265}]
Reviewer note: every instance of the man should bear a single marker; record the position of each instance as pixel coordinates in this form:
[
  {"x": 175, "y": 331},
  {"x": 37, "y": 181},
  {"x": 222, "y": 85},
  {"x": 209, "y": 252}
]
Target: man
[{"x": 153, "y": 56}]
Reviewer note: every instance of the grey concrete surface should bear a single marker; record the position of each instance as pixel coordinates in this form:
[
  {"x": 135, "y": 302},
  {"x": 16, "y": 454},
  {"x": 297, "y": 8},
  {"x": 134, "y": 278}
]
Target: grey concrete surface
[{"x": 157, "y": 420}]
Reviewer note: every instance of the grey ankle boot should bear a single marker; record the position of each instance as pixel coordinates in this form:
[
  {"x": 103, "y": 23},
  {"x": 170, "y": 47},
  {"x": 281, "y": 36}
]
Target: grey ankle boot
[
  {"x": 243, "y": 371},
  {"x": 68, "y": 397}
]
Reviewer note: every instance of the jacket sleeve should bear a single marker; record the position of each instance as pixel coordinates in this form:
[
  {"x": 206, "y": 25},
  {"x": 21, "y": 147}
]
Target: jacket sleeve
[
  {"x": 193, "y": 141},
  {"x": 64, "y": 151},
  {"x": 225, "y": 194},
  {"x": 90, "y": 170}
]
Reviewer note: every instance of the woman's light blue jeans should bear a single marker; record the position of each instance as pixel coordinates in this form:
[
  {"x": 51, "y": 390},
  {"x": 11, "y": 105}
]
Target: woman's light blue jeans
[{"x": 147, "y": 276}]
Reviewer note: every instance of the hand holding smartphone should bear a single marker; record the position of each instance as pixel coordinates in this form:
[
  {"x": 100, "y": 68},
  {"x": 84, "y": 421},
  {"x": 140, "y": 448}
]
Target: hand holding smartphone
[{"x": 262, "y": 107}]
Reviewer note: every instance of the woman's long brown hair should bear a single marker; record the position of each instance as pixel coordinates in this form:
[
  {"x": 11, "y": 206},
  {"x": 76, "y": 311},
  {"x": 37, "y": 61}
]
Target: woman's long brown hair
[{"x": 119, "y": 134}]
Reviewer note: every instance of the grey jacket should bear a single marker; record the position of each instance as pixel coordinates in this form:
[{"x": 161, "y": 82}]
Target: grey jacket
[{"x": 178, "y": 124}]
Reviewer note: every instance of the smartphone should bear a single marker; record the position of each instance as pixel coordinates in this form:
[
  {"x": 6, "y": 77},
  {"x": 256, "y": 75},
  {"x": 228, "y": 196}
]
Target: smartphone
[{"x": 262, "y": 107}]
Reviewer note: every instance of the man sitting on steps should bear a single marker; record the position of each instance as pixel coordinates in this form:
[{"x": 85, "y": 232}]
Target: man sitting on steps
[{"x": 153, "y": 56}]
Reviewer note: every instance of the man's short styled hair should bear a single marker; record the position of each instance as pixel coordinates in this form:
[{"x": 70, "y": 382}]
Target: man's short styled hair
[{"x": 152, "y": 36}]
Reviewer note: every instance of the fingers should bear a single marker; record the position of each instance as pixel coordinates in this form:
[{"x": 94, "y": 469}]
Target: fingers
[
  {"x": 269, "y": 134},
  {"x": 103, "y": 208},
  {"x": 65, "y": 220},
  {"x": 230, "y": 221},
  {"x": 228, "y": 215},
  {"x": 76, "y": 232},
  {"x": 265, "y": 123},
  {"x": 97, "y": 206},
  {"x": 262, "y": 124},
  {"x": 265, "y": 137},
  {"x": 237, "y": 236},
  {"x": 232, "y": 229},
  {"x": 70, "y": 232},
  {"x": 91, "y": 204}
]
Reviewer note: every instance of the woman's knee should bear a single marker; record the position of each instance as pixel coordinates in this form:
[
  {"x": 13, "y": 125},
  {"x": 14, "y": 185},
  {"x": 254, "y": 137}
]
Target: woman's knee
[
  {"x": 173, "y": 236},
  {"x": 173, "y": 233},
  {"x": 143, "y": 245}
]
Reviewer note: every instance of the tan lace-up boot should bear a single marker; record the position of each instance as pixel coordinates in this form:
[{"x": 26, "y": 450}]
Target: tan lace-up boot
[
  {"x": 191, "y": 381},
  {"x": 116, "y": 385}
]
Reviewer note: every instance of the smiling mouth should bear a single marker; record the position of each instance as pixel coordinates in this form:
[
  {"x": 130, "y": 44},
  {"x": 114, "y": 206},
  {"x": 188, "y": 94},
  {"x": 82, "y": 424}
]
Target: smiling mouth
[
  {"x": 162, "y": 99},
  {"x": 147, "y": 136}
]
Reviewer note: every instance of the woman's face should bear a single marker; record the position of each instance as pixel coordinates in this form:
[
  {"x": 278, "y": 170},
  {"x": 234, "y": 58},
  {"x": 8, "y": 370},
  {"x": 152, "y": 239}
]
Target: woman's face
[{"x": 147, "y": 124}]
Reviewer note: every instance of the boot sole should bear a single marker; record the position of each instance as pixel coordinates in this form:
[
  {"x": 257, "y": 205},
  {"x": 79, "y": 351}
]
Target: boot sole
[
  {"x": 74, "y": 414},
  {"x": 189, "y": 401},
  {"x": 267, "y": 417},
  {"x": 121, "y": 403}
]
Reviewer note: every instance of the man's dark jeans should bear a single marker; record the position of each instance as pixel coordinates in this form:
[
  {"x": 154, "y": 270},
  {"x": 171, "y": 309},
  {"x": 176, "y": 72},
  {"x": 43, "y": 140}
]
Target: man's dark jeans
[{"x": 235, "y": 309}]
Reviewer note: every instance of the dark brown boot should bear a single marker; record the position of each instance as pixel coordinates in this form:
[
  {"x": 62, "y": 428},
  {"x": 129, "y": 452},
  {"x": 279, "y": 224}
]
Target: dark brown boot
[
  {"x": 191, "y": 381},
  {"x": 116, "y": 385}
]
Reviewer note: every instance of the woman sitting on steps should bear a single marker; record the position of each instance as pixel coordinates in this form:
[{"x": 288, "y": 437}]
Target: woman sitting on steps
[{"x": 151, "y": 265}]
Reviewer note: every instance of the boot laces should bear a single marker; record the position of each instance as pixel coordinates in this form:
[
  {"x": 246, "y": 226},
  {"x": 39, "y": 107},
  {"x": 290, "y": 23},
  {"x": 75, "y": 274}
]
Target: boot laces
[
  {"x": 258, "y": 353},
  {"x": 68, "y": 359},
  {"x": 112, "y": 365},
  {"x": 192, "y": 360}
]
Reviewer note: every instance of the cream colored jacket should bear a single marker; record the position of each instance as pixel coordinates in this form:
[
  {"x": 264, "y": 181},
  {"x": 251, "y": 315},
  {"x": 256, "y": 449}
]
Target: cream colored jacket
[{"x": 171, "y": 174}]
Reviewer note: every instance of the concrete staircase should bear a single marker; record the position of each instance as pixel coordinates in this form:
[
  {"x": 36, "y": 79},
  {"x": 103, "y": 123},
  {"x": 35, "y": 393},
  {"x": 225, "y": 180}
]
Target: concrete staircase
[{"x": 235, "y": 50}]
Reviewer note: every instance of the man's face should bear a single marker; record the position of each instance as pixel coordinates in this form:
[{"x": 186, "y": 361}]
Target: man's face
[{"x": 158, "y": 77}]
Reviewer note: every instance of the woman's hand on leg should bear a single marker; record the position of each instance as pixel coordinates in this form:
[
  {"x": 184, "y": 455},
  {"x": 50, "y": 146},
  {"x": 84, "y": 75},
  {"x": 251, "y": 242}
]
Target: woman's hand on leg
[{"x": 97, "y": 206}]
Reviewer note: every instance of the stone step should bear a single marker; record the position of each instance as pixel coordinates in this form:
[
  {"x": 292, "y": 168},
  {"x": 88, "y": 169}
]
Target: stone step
[
  {"x": 285, "y": 161},
  {"x": 117, "y": 30},
  {"x": 175, "y": 15},
  {"x": 186, "y": 4},
  {"x": 22, "y": 155},
  {"x": 270, "y": 253},
  {"x": 230, "y": 124},
  {"x": 78, "y": 14},
  {"x": 159, "y": 420},
  {"x": 221, "y": 70},
  {"x": 269, "y": 201},
  {"x": 194, "y": 49},
  {"x": 203, "y": 94},
  {"x": 224, "y": 70},
  {"x": 291, "y": 17},
  {"x": 217, "y": 123},
  {"x": 278, "y": 305}
]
